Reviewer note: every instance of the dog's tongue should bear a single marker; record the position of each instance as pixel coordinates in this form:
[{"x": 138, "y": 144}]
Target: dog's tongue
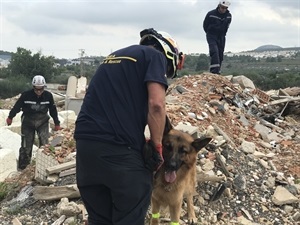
[{"x": 170, "y": 177}]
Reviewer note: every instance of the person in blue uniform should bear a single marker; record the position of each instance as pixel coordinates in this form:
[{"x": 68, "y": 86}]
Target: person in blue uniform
[
  {"x": 215, "y": 25},
  {"x": 35, "y": 104},
  {"x": 126, "y": 93}
]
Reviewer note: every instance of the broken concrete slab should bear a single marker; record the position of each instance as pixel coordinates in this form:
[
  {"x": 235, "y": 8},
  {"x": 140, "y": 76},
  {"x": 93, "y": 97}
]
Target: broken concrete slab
[
  {"x": 192, "y": 130},
  {"x": 43, "y": 162},
  {"x": 8, "y": 163},
  {"x": 3, "y": 116},
  {"x": 55, "y": 193},
  {"x": 243, "y": 81},
  {"x": 282, "y": 196},
  {"x": 11, "y": 141}
]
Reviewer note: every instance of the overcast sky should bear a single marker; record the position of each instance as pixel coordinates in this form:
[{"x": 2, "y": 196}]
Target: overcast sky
[{"x": 62, "y": 27}]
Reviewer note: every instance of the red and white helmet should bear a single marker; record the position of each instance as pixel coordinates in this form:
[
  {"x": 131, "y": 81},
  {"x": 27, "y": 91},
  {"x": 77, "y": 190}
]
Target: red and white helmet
[
  {"x": 169, "y": 47},
  {"x": 225, "y": 3},
  {"x": 38, "y": 81}
]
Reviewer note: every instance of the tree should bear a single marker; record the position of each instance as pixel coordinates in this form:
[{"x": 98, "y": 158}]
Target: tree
[
  {"x": 20, "y": 62},
  {"x": 202, "y": 63},
  {"x": 270, "y": 59},
  {"x": 23, "y": 63},
  {"x": 189, "y": 62}
]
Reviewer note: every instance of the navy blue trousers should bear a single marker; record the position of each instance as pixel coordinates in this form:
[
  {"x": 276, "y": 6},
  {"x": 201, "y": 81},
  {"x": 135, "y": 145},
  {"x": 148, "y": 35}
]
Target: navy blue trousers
[
  {"x": 216, "y": 46},
  {"x": 114, "y": 183}
]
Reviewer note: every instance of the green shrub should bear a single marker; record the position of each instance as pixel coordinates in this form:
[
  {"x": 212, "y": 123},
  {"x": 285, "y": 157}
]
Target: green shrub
[
  {"x": 13, "y": 86},
  {"x": 61, "y": 79},
  {"x": 4, "y": 189}
]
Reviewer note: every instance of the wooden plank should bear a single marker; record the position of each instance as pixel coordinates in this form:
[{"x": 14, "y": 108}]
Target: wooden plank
[
  {"x": 289, "y": 99},
  {"x": 55, "y": 193},
  {"x": 223, "y": 166},
  {"x": 60, "y": 167},
  {"x": 221, "y": 132},
  {"x": 292, "y": 91},
  {"x": 67, "y": 172},
  {"x": 268, "y": 124}
]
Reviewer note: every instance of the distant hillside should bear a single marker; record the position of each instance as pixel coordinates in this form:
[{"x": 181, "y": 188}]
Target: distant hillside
[
  {"x": 264, "y": 48},
  {"x": 5, "y": 52},
  {"x": 5, "y": 55},
  {"x": 268, "y": 48}
]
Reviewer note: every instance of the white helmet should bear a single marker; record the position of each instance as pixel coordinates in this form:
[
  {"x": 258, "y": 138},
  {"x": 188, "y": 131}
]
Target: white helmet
[
  {"x": 168, "y": 45},
  {"x": 38, "y": 81},
  {"x": 225, "y": 3}
]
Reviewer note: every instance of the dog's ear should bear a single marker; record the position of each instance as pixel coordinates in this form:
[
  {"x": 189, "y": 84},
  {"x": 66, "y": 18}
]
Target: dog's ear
[
  {"x": 168, "y": 126},
  {"x": 200, "y": 143}
]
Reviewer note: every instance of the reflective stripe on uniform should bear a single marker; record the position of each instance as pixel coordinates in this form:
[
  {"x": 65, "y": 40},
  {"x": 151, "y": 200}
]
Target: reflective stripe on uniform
[{"x": 214, "y": 65}]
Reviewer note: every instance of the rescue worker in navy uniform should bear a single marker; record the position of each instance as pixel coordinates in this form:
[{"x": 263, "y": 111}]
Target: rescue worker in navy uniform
[
  {"x": 215, "y": 25},
  {"x": 35, "y": 104},
  {"x": 126, "y": 93}
]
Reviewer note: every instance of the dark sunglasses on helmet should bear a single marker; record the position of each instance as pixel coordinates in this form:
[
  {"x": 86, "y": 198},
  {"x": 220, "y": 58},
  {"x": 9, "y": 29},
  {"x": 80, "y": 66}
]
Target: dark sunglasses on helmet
[{"x": 38, "y": 88}]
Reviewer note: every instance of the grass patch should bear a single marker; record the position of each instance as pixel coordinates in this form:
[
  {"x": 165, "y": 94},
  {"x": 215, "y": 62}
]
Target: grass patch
[{"x": 4, "y": 190}]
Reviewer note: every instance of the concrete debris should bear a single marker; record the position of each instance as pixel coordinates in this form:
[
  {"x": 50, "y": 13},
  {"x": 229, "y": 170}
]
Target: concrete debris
[
  {"x": 60, "y": 220},
  {"x": 248, "y": 174},
  {"x": 282, "y": 196},
  {"x": 67, "y": 208}
]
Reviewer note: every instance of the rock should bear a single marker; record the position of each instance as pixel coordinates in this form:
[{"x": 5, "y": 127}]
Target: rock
[
  {"x": 247, "y": 147},
  {"x": 282, "y": 196},
  {"x": 67, "y": 208}
]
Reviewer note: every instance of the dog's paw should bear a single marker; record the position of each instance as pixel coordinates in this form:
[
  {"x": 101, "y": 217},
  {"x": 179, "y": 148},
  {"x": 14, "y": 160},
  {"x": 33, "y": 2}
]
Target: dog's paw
[
  {"x": 193, "y": 221},
  {"x": 154, "y": 222}
]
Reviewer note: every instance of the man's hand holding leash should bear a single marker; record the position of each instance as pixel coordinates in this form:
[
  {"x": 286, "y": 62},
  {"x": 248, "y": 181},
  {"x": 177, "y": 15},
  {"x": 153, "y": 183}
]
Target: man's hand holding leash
[{"x": 153, "y": 155}]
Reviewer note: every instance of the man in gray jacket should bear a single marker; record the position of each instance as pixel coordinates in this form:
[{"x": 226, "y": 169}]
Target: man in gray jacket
[{"x": 35, "y": 104}]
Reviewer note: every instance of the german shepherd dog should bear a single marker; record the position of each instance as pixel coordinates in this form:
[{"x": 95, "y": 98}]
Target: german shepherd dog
[{"x": 176, "y": 178}]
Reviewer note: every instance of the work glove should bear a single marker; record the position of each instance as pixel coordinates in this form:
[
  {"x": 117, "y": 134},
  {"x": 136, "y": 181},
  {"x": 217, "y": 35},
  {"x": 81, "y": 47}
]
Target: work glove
[
  {"x": 153, "y": 156},
  {"x": 8, "y": 121},
  {"x": 57, "y": 127}
]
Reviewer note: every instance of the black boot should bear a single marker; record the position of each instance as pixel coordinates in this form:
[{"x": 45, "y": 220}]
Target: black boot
[{"x": 23, "y": 161}]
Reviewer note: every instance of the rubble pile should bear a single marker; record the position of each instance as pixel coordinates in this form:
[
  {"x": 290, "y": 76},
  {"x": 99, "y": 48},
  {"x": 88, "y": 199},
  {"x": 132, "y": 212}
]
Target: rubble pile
[
  {"x": 239, "y": 115},
  {"x": 248, "y": 174},
  {"x": 255, "y": 148}
]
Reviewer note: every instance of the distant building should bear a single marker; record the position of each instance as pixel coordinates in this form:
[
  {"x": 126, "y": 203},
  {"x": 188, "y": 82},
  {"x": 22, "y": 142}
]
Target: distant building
[
  {"x": 287, "y": 53},
  {"x": 4, "y": 63},
  {"x": 87, "y": 61}
]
